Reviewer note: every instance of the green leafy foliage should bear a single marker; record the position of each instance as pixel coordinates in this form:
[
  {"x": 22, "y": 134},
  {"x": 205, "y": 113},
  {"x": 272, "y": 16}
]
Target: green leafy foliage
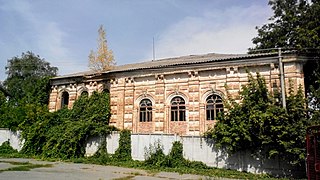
[
  {"x": 294, "y": 24},
  {"x": 123, "y": 153},
  {"x": 312, "y": 71},
  {"x": 155, "y": 157},
  {"x": 260, "y": 124},
  {"x": 27, "y": 85},
  {"x": 11, "y": 115},
  {"x": 63, "y": 134},
  {"x": 5, "y": 148},
  {"x": 175, "y": 157},
  {"x": 27, "y": 79}
]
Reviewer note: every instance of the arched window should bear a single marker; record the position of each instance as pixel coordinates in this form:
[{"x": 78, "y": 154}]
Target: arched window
[
  {"x": 145, "y": 110},
  {"x": 64, "y": 99},
  {"x": 178, "y": 109},
  {"x": 84, "y": 93},
  {"x": 214, "y": 105}
]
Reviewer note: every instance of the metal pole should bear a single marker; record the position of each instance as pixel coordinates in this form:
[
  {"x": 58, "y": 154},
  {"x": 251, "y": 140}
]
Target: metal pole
[
  {"x": 154, "y": 54},
  {"x": 282, "y": 82}
]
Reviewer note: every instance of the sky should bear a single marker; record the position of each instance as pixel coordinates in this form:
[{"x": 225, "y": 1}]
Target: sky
[{"x": 64, "y": 31}]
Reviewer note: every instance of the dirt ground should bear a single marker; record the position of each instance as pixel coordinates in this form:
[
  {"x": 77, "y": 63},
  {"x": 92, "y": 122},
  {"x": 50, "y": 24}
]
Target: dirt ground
[{"x": 62, "y": 170}]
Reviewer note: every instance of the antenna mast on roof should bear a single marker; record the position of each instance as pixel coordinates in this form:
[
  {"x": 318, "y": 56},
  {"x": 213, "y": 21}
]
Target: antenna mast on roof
[{"x": 154, "y": 56}]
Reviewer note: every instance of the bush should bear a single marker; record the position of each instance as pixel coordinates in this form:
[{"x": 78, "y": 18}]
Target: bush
[
  {"x": 6, "y": 149},
  {"x": 175, "y": 157},
  {"x": 154, "y": 155},
  {"x": 260, "y": 124}
]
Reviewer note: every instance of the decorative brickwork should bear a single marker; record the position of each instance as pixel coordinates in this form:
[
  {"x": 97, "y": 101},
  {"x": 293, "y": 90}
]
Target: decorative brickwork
[{"x": 193, "y": 80}]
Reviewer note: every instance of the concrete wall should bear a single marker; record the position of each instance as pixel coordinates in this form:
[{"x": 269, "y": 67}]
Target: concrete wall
[
  {"x": 13, "y": 137},
  {"x": 196, "y": 148}
]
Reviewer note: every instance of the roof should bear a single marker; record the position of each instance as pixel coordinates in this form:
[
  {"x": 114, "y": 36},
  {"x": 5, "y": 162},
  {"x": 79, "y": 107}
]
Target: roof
[{"x": 183, "y": 60}]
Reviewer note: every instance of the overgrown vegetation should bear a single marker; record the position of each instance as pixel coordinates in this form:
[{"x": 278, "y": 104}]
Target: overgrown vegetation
[
  {"x": 174, "y": 161},
  {"x": 63, "y": 134},
  {"x": 154, "y": 156},
  {"x": 123, "y": 153},
  {"x": 5, "y": 148},
  {"x": 260, "y": 124},
  {"x": 23, "y": 105},
  {"x": 156, "y": 160}
]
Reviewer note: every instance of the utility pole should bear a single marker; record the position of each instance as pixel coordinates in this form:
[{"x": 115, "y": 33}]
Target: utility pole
[{"x": 282, "y": 80}]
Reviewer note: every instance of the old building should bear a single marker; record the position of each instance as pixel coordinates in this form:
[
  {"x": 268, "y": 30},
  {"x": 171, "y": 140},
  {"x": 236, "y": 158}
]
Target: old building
[{"x": 176, "y": 95}]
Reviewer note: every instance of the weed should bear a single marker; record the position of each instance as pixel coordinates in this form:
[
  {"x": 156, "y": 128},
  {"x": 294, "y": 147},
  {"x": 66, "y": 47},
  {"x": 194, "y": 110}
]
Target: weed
[
  {"x": 23, "y": 166},
  {"x": 125, "y": 178}
]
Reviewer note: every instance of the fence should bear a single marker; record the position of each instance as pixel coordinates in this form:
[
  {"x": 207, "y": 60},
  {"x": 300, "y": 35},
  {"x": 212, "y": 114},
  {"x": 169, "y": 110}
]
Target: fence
[
  {"x": 195, "y": 148},
  {"x": 12, "y": 137}
]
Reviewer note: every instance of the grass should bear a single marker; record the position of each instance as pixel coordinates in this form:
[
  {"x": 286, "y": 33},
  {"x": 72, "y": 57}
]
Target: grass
[
  {"x": 151, "y": 170},
  {"x": 23, "y": 166},
  {"x": 209, "y": 171},
  {"x": 125, "y": 178}
]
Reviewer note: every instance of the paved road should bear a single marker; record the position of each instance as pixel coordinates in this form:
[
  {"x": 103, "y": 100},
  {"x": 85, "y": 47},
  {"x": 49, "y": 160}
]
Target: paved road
[{"x": 62, "y": 170}]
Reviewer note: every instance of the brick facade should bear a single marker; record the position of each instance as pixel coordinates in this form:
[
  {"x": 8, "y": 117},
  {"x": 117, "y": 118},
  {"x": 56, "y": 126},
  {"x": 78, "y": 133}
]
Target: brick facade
[{"x": 193, "y": 82}]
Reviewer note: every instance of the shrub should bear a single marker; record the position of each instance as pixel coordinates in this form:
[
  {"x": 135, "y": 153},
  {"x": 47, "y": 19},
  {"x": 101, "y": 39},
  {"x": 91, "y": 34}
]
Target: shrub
[
  {"x": 154, "y": 155},
  {"x": 5, "y": 148}
]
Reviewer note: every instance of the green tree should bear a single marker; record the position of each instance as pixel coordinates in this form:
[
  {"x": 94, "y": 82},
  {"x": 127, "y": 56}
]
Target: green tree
[
  {"x": 103, "y": 59},
  {"x": 260, "y": 124},
  {"x": 294, "y": 24},
  {"x": 314, "y": 93},
  {"x": 28, "y": 77},
  {"x": 27, "y": 84}
]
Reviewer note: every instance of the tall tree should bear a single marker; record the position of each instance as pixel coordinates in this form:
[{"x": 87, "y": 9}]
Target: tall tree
[
  {"x": 26, "y": 87},
  {"x": 28, "y": 78},
  {"x": 103, "y": 59},
  {"x": 260, "y": 124},
  {"x": 295, "y": 24}
]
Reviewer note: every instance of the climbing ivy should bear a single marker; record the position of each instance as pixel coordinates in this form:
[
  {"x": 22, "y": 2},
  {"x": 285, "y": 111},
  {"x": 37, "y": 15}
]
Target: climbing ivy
[
  {"x": 63, "y": 134},
  {"x": 123, "y": 153}
]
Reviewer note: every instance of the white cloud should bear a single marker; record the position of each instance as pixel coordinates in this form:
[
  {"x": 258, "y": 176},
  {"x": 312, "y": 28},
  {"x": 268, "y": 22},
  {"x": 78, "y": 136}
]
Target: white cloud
[
  {"x": 50, "y": 41},
  {"x": 219, "y": 31},
  {"x": 41, "y": 34}
]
